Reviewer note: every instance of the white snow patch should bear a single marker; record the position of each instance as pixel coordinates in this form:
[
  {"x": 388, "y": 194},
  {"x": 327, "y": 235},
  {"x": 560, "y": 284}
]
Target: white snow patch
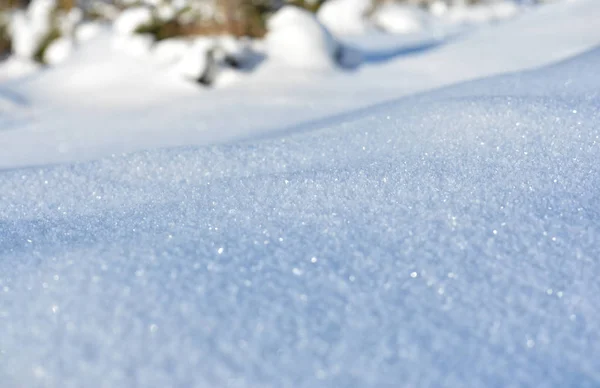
[
  {"x": 196, "y": 60},
  {"x": 16, "y": 67},
  {"x": 87, "y": 31},
  {"x": 481, "y": 13},
  {"x": 401, "y": 19},
  {"x": 136, "y": 45},
  {"x": 131, "y": 19},
  {"x": 169, "y": 51},
  {"x": 58, "y": 51},
  {"x": 345, "y": 17}
]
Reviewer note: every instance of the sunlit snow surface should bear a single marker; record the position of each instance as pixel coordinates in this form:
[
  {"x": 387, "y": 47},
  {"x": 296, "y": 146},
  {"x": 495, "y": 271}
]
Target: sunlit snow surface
[{"x": 448, "y": 239}]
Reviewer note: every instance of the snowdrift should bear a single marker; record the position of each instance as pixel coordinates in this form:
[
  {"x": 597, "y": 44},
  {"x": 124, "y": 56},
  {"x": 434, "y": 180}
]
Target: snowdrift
[{"x": 448, "y": 239}]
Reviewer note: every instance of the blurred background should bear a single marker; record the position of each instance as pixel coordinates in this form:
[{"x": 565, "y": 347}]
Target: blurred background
[{"x": 47, "y": 32}]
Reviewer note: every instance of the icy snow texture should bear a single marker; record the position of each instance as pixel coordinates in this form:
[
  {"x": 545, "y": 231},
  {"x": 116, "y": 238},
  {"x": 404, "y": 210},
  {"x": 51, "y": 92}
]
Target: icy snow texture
[
  {"x": 298, "y": 40},
  {"x": 449, "y": 239}
]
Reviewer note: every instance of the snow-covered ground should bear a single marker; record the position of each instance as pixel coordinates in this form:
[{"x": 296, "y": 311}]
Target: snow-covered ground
[{"x": 306, "y": 237}]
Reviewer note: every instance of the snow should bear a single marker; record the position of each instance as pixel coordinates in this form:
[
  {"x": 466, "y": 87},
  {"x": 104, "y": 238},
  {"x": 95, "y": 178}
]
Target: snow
[
  {"x": 196, "y": 61},
  {"x": 345, "y": 17},
  {"x": 296, "y": 39},
  {"x": 15, "y": 68},
  {"x": 446, "y": 238},
  {"x": 58, "y": 51},
  {"x": 28, "y": 29},
  {"x": 135, "y": 45},
  {"x": 401, "y": 19},
  {"x": 481, "y": 13},
  {"x": 274, "y": 98},
  {"x": 131, "y": 19},
  {"x": 169, "y": 51},
  {"x": 87, "y": 31}
]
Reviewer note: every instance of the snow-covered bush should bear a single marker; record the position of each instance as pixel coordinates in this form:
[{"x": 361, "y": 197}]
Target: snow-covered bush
[
  {"x": 297, "y": 39},
  {"x": 166, "y": 19},
  {"x": 34, "y": 30}
]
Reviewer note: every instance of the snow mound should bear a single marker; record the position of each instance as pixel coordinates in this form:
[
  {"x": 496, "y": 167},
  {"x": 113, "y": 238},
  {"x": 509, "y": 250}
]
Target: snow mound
[{"x": 296, "y": 39}]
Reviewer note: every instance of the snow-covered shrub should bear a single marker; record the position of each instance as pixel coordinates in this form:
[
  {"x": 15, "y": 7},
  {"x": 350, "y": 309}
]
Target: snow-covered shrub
[
  {"x": 166, "y": 19},
  {"x": 190, "y": 38},
  {"x": 309, "y": 5},
  {"x": 34, "y": 30},
  {"x": 297, "y": 39}
]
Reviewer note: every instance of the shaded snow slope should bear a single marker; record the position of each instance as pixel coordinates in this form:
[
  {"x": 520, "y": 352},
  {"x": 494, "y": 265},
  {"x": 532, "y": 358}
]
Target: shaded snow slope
[
  {"x": 449, "y": 239},
  {"x": 113, "y": 104}
]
